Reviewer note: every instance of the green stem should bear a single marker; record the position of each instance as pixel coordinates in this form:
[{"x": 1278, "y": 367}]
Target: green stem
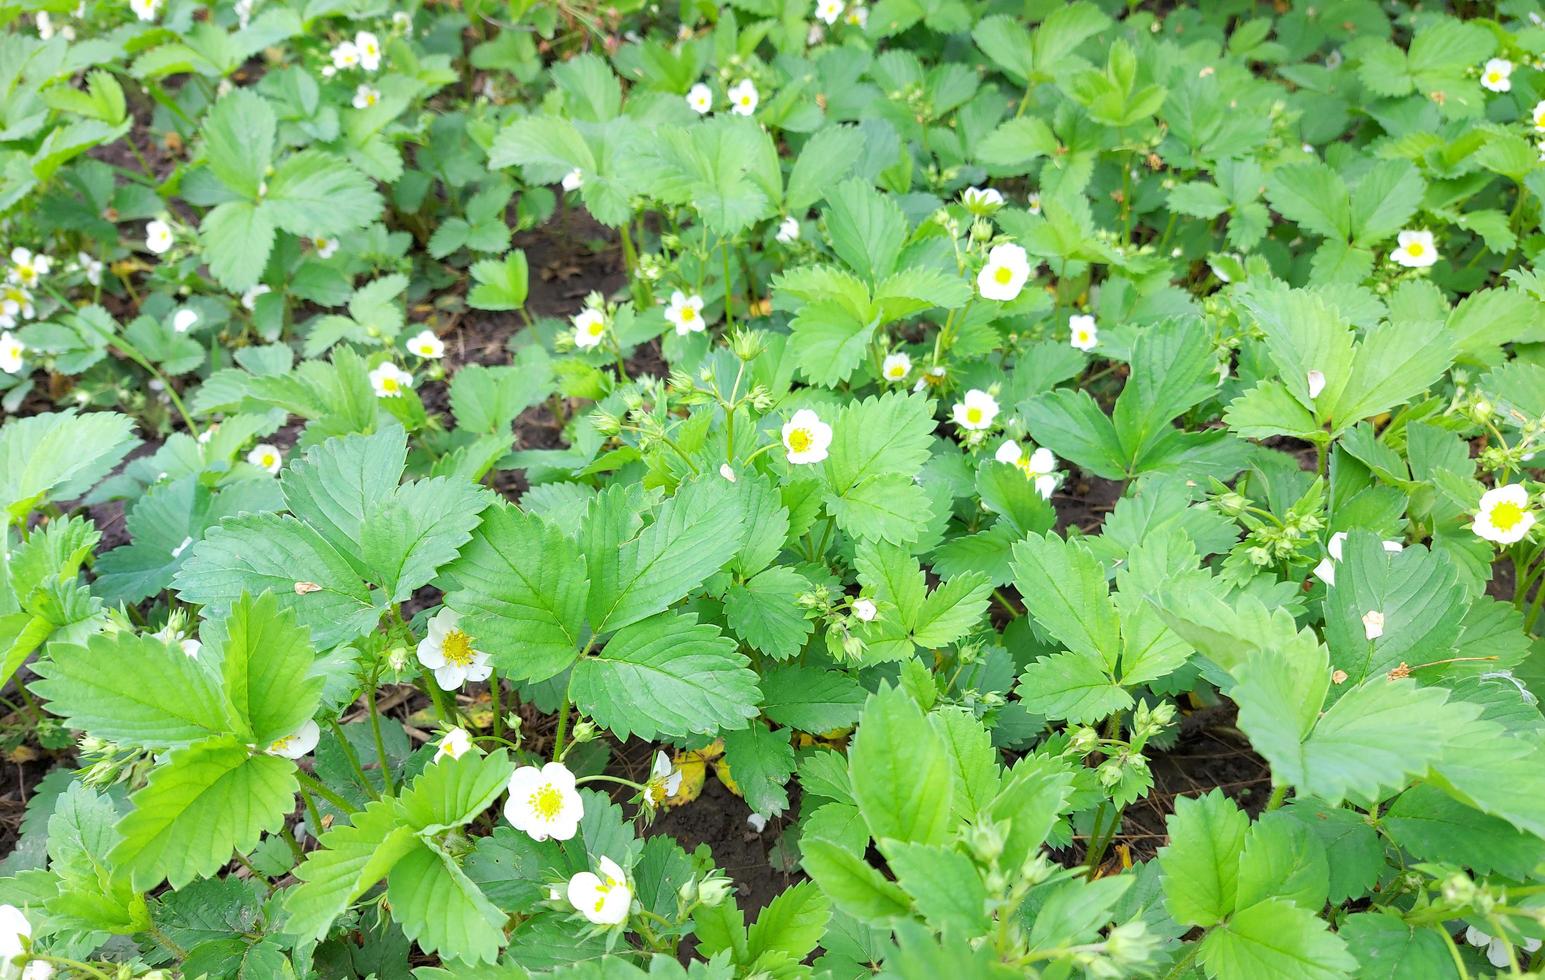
[
  {"x": 165, "y": 940},
  {"x": 1278, "y": 794},
  {"x": 1184, "y": 963},
  {"x": 494, "y": 684},
  {"x": 609, "y": 779},
  {"x": 85, "y": 968},
  {"x": 308, "y": 781},
  {"x": 563, "y": 716},
  {"x": 353, "y": 757},
  {"x": 432, "y": 688},
  {"x": 375, "y": 734},
  {"x": 729, "y": 311}
]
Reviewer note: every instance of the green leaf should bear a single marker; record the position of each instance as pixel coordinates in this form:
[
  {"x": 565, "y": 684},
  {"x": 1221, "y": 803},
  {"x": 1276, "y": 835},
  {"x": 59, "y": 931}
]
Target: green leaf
[
  {"x": 338, "y": 484},
  {"x": 826, "y": 158},
  {"x": 1071, "y": 686},
  {"x": 1314, "y": 196},
  {"x": 315, "y": 194},
  {"x": 452, "y": 792},
  {"x": 135, "y": 690},
  {"x": 1201, "y": 862},
  {"x": 58, "y": 455},
  {"x": 1015, "y": 144},
  {"x": 1275, "y": 939},
  {"x": 423, "y": 525},
  {"x": 441, "y": 909},
  {"x": 866, "y": 228},
  {"x": 1434, "y": 826},
  {"x": 520, "y": 588},
  {"x": 1282, "y": 859},
  {"x": 853, "y": 885},
  {"x": 349, "y": 859},
  {"x": 792, "y": 923},
  {"x": 830, "y": 341},
  {"x": 888, "y": 434},
  {"x": 1071, "y": 424},
  {"x": 266, "y": 662},
  {"x": 943, "y": 882},
  {"x": 237, "y": 237},
  {"x": 811, "y": 699},
  {"x": 764, "y": 612},
  {"x": 239, "y": 140},
  {"x": 502, "y": 284},
  {"x": 666, "y": 675},
  {"x": 903, "y": 796},
  {"x": 206, "y": 800},
  {"x": 1064, "y": 589},
  {"x": 761, "y": 760},
  {"x": 1388, "y": 949},
  {"x": 1418, "y": 592}
]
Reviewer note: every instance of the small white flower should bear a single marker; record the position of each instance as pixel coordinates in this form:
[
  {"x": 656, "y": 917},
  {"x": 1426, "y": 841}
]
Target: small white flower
[
  {"x": 976, "y": 411},
  {"x": 29, "y": 269},
  {"x": 91, "y": 266},
  {"x": 1325, "y": 571},
  {"x": 896, "y": 367},
  {"x": 15, "y": 303},
  {"x": 266, "y": 457},
  {"x": 981, "y": 200},
  {"x": 933, "y": 376},
  {"x": 573, "y": 180},
  {"x": 365, "y": 97},
  {"x": 190, "y": 647},
  {"x": 1373, "y": 624},
  {"x": 743, "y": 98},
  {"x": 1004, "y": 275},
  {"x": 727, "y": 471},
  {"x": 1415, "y": 250},
  {"x": 788, "y": 230},
  {"x": 589, "y": 327},
  {"x": 604, "y": 899},
  {"x": 345, "y": 55},
  {"x": 177, "y": 551},
  {"x": 12, "y": 353},
  {"x": 145, "y": 9},
  {"x": 1039, "y": 465},
  {"x": 858, "y": 16},
  {"x": 1082, "y": 333},
  {"x": 184, "y": 319},
  {"x": 664, "y": 780},
  {"x": 827, "y": 11},
  {"x": 455, "y": 744},
  {"x": 1496, "y": 949},
  {"x": 757, "y": 822},
  {"x": 1504, "y": 515},
  {"x": 243, "y": 10},
  {"x": 158, "y": 236},
  {"x": 864, "y": 609},
  {"x": 544, "y": 803},
  {"x": 447, "y": 650},
  {"x": 390, "y": 381},
  {"x": 299, "y": 742},
  {"x": 402, "y": 20},
  {"x": 250, "y": 297},
  {"x": 426, "y": 345},
  {"x": 1034, "y": 203},
  {"x": 15, "y": 930},
  {"x": 806, "y": 438},
  {"x": 1496, "y": 76},
  {"x": 700, "y": 98},
  {"x": 686, "y": 313},
  {"x": 1539, "y": 115},
  {"x": 369, "y": 48},
  {"x": 1316, "y": 381}
]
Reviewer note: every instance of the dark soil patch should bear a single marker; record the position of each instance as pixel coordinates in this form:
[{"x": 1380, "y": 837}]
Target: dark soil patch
[
  {"x": 718, "y": 818},
  {"x": 1084, "y": 500}
]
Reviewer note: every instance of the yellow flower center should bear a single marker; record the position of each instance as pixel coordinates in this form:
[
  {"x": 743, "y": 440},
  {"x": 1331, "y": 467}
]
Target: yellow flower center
[
  {"x": 896, "y": 371},
  {"x": 457, "y": 648},
  {"x": 1492, "y": 76},
  {"x": 1415, "y": 250},
  {"x": 745, "y": 100},
  {"x": 269, "y": 459},
  {"x": 800, "y": 440},
  {"x": 389, "y": 384},
  {"x": 687, "y": 313},
  {"x": 280, "y": 744},
  {"x": 595, "y": 329},
  {"x": 1083, "y": 336},
  {"x": 1506, "y": 515},
  {"x": 1003, "y": 274},
  {"x": 547, "y": 802},
  {"x": 973, "y": 414}
]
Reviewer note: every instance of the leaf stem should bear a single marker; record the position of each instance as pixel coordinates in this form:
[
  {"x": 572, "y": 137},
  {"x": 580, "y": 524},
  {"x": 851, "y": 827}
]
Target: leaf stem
[
  {"x": 353, "y": 757},
  {"x": 308, "y": 781},
  {"x": 375, "y": 733}
]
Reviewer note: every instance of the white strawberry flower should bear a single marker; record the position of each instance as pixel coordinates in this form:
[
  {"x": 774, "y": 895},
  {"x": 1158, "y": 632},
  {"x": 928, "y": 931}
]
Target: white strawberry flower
[
  {"x": 1039, "y": 465},
  {"x": 15, "y": 303},
  {"x": 1316, "y": 383},
  {"x": 447, "y": 650},
  {"x": 27, "y": 268},
  {"x": 589, "y": 327},
  {"x": 1415, "y": 250},
  {"x": 145, "y": 9},
  {"x": 744, "y": 97},
  {"x": 573, "y": 180},
  {"x": 981, "y": 200},
  {"x": 1504, "y": 515},
  {"x": 664, "y": 780},
  {"x": 1496, "y": 949},
  {"x": 345, "y": 56},
  {"x": 1325, "y": 571},
  {"x": 1034, "y": 203},
  {"x": 250, "y": 297},
  {"x": 369, "y": 48},
  {"x": 1082, "y": 333},
  {"x": 976, "y": 411},
  {"x": 1373, "y": 624},
  {"x": 603, "y": 899},
  {"x": 858, "y": 16},
  {"x": 686, "y": 313},
  {"x": 266, "y": 457},
  {"x": 12, "y": 353},
  {"x": 806, "y": 438},
  {"x": 325, "y": 247},
  {"x": 426, "y": 345},
  {"x": 390, "y": 381},
  {"x": 788, "y": 230},
  {"x": 1004, "y": 275},
  {"x": 184, "y": 319},
  {"x": 365, "y": 96},
  {"x": 827, "y": 11},
  {"x": 1496, "y": 76},
  {"x": 896, "y": 366},
  {"x": 1538, "y": 114},
  {"x": 455, "y": 744},
  {"x": 158, "y": 236},
  {"x": 15, "y": 937},
  {"x": 933, "y": 377},
  {"x": 543, "y": 802},
  {"x": 864, "y": 609},
  {"x": 700, "y": 98},
  {"x": 296, "y": 744},
  {"x": 91, "y": 266}
]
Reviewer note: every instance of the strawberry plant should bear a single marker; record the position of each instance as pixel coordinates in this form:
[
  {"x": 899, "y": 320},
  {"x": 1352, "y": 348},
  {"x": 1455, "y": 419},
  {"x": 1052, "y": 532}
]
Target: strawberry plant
[{"x": 772, "y": 490}]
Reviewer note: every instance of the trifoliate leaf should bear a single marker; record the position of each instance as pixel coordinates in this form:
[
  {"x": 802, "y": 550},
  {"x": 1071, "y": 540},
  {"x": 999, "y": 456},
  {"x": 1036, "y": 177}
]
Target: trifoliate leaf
[{"x": 267, "y": 665}]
